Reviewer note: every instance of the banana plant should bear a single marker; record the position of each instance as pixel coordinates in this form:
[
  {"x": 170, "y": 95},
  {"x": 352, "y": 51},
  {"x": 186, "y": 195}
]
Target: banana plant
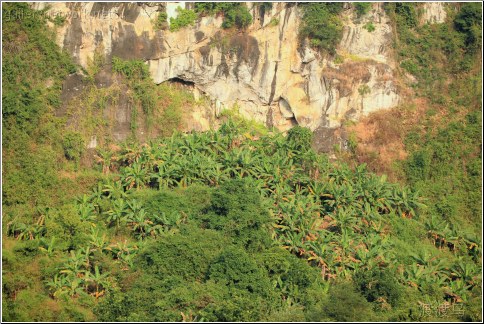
[
  {"x": 85, "y": 209},
  {"x": 122, "y": 250},
  {"x": 134, "y": 176},
  {"x": 75, "y": 287},
  {"x": 414, "y": 275},
  {"x": 466, "y": 271},
  {"x": 86, "y": 253},
  {"x": 97, "y": 282},
  {"x": 105, "y": 158},
  {"x": 133, "y": 207},
  {"x": 74, "y": 266},
  {"x": 459, "y": 290},
  {"x": 97, "y": 196},
  {"x": 58, "y": 285},
  {"x": 98, "y": 241},
  {"x": 117, "y": 213},
  {"x": 22, "y": 231},
  {"x": 48, "y": 248},
  {"x": 140, "y": 224}
]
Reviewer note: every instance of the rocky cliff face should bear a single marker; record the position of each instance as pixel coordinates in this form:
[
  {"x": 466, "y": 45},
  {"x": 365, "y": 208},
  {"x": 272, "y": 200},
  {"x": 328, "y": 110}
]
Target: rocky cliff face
[{"x": 265, "y": 70}]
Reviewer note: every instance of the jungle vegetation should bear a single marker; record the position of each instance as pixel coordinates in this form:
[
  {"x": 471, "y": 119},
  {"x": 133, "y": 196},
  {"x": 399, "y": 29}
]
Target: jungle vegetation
[{"x": 241, "y": 223}]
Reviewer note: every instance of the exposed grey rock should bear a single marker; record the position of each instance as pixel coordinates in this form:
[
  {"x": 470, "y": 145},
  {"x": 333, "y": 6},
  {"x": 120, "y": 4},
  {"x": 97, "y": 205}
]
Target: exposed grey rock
[{"x": 264, "y": 70}]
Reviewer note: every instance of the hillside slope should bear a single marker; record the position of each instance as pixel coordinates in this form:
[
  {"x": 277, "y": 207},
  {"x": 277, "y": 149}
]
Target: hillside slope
[{"x": 104, "y": 220}]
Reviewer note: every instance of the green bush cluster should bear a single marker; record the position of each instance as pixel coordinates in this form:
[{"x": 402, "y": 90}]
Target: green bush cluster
[
  {"x": 369, "y": 27},
  {"x": 206, "y": 273},
  {"x": 73, "y": 145},
  {"x": 131, "y": 69},
  {"x": 300, "y": 138},
  {"x": 322, "y": 25},
  {"x": 423, "y": 50},
  {"x": 235, "y": 14},
  {"x": 441, "y": 162},
  {"x": 185, "y": 17},
  {"x": 469, "y": 22},
  {"x": 362, "y": 8}
]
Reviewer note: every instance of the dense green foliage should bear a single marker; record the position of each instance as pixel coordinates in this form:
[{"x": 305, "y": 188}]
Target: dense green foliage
[
  {"x": 445, "y": 163},
  {"x": 135, "y": 69},
  {"x": 337, "y": 219},
  {"x": 33, "y": 69},
  {"x": 444, "y": 145},
  {"x": 240, "y": 223},
  {"x": 235, "y": 13},
  {"x": 34, "y": 149},
  {"x": 185, "y": 17},
  {"x": 424, "y": 50},
  {"x": 321, "y": 25},
  {"x": 369, "y": 26},
  {"x": 469, "y": 22},
  {"x": 362, "y": 8}
]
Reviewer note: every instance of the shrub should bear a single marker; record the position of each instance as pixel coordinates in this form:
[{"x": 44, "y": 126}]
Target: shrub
[
  {"x": 235, "y": 14},
  {"x": 187, "y": 255},
  {"x": 322, "y": 25},
  {"x": 369, "y": 27},
  {"x": 364, "y": 90},
  {"x": 73, "y": 145},
  {"x": 59, "y": 20},
  {"x": 236, "y": 269},
  {"x": 131, "y": 69},
  {"x": 238, "y": 16},
  {"x": 362, "y": 8},
  {"x": 378, "y": 285},
  {"x": 344, "y": 304},
  {"x": 405, "y": 12},
  {"x": 236, "y": 210},
  {"x": 186, "y": 17},
  {"x": 469, "y": 22},
  {"x": 274, "y": 22},
  {"x": 65, "y": 225}
]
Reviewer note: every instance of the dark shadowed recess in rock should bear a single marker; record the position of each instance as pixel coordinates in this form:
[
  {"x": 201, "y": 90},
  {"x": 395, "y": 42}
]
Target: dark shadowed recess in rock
[
  {"x": 270, "y": 118},
  {"x": 207, "y": 58},
  {"x": 182, "y": 82},
  {"x": 98, "y": 37},
  {"x": 223, "y": 68},
  {"x": 129, "y": 12},
  {"x": 273, "y": 84},
  {"x": 72, "y": 86},
  {"x": 73, "y": 37},
  {"x": 265, "y": 66},
  {"x": 246, "y": 49},
  {"x": 130, "y": 46},
  {"x": 199, "y": 35},
  {"x": 262, "y": 13}
]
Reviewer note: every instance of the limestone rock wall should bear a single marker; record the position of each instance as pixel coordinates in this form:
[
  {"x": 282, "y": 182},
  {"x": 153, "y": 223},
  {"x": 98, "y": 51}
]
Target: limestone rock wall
[{"x": 265, "y": 70}]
